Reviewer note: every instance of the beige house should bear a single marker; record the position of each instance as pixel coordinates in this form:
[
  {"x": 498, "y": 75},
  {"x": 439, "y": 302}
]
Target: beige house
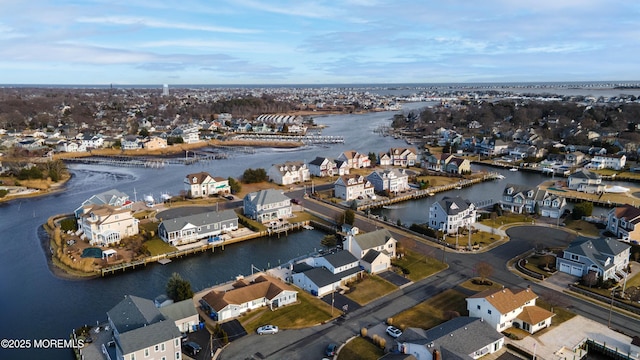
[
  {"x": 105, "y": 225},
  {"x": 403, "y": 156},
  {"x": 288, "y": 173},
  {"x": 365, "y": 246},
  {"x": 202, "y": 184},
  {"x": 154, "y": 143}
]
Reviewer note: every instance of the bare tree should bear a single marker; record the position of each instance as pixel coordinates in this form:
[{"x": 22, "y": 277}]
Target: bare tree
[{"x": 484, "y": 270}]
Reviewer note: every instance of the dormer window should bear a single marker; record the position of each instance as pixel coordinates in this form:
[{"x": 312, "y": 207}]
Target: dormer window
[{"x": 195, "y": 180}]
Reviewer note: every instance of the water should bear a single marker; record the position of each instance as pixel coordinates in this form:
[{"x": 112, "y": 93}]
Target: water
[{"x": 34, "y": 304}]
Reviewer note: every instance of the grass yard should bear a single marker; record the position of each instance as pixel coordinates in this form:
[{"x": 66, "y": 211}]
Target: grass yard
[
  {"x": 156, "y": 246},
  {"x": 562, "y": 314},
  {"x": 360, "y": 349},
  {"x": 433, "y": 311},
  {"x": 307, "y": 312},
  {"x": 369, "y": 288},
  {"x": 469, "y": 284},
  {"x": 419, "y": 266},
  {"x": 583, "y": 227}
]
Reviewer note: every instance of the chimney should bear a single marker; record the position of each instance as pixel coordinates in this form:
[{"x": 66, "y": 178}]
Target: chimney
[{"x": 436, "y": 355}]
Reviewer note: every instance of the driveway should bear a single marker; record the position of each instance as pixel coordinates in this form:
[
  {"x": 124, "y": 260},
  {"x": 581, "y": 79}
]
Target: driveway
[
  {"x": 341, "y": 302},
  {"x": 394, "y": 278}
]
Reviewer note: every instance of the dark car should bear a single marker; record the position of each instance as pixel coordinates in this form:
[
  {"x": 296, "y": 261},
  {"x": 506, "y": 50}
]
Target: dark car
[
  {"x": 191, "y": 348},
  {"x": 331, "y": 349},
  {"x": 230, "y": 197}
]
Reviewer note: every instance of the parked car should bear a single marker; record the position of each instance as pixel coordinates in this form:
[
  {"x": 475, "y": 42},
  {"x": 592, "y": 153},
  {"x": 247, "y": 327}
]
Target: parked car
[
  {"x": 230, "y": 197},
  {"x": 191, "y": 348},
  {"x": 267, "y": 329},
  {"x": 331, "y": 349},
  {"x": 393, "y": 331}
]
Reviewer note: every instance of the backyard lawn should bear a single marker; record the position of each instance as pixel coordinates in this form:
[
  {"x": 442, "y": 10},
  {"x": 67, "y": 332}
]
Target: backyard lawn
[
  {"x": 361, "y": 349},
  {"x": 156, "y": 246},
  {"x": 417, "y": 266},
  {"x": 433, "y": 311},
  {"x": 369, "y": 288}
]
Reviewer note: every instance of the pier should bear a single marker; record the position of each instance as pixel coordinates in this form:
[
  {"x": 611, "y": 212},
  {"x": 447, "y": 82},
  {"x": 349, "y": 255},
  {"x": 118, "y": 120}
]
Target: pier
[
  {"x": 148, "y": 162},
  {"x": 305, "y": 139}
]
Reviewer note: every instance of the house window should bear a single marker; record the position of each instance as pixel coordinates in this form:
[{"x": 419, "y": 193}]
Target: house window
[
  {"x": 146, "y": 352},
  {"x": 162, "y": 347},
  {"x": 133, "y": 356},
  {"x": 177, "y": 342},
  {"x": 177, "y": 355},
  {"x": 478, "y": 307},
  {"x": 156, "y": 348},
  {"x": 574, "y": 257},
  {"x": 489, "y": 311}
]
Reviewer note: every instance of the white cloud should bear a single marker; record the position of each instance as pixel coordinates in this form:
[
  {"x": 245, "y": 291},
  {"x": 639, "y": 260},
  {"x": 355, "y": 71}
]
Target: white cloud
[{"x": 141, "y": 21}]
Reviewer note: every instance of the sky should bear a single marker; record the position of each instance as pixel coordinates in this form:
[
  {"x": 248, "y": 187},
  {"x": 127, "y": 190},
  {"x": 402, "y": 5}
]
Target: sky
[{"x": 218, "y": 42}]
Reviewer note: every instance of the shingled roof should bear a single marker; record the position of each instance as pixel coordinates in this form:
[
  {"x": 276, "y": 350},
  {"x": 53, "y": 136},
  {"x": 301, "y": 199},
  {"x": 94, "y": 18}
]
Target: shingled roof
[
  {"x": 262, "y": 287},
  {"x": 504, "y": 300}
]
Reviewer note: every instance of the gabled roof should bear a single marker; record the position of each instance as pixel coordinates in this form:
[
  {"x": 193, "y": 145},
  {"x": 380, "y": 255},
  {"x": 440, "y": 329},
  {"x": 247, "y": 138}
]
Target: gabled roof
[
  {"x": 198, "y": 178},
  {"x": 534, "y": 314},
  {"x": 268, "y": 196},
  {"x": 454, "y": 205},
  {"x": 323, "y": 277},
  {"x": 628, "y": 213},
  {"x": 203, "y": 219},
  {"x": 319, "y": 160},
  {"x": 262, "y": 287},
  {"x": 504, "y": 300},
  {"x": 598, "y": 250},
  {"x": 148, "y": 336},
  {"x": 340, "y": 258},
  {"x": 585, "y": 174},
  {"x": 180, "y": 310},
  {"x": 134, "y": 312},
  {"x": 373, "y": 239},
  {"x": 371, "y": 256},
  {"x": 459, "y": 336}
]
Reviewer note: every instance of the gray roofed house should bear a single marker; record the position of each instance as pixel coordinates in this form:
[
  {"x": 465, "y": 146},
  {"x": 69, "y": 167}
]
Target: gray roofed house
[
  {"x": 452, "y": 213},
  {"x": 267, "y": 205},
  {"x": 462, "y": 337},
  {"x": 608, "y": 257},
  {"x": 111, "y": 197},
  {"x": 585, "y": 181},
  {"x": 379, "y": 240},
  {"x": 191, "y": 228},
  {"x": 183, "y": 313},
  {"x": 324, "y": 274},
  {"x": 520, "y": 198},
  {"x": 139, "y": 326}
]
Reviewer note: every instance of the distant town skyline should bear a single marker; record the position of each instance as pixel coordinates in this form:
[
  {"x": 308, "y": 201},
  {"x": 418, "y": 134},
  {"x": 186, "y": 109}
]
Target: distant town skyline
[{"x": 317, "y": 42}]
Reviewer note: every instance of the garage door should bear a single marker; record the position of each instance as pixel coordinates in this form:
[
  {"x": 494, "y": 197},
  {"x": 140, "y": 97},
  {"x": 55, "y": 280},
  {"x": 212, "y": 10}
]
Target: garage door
[
  {"x": 576, "y": 270},
  {"x": 378, "y": 268},
  {"x": 565, "y": 268}
]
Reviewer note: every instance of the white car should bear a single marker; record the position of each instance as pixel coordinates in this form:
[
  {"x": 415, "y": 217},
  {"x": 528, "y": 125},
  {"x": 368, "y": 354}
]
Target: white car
[
  {"x": 267, "y": 329},
  {"x": 393, "y": 331}
]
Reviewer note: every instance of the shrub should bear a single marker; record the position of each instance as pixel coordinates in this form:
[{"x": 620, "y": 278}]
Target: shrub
[
  {"x": 69, "y": 224},
  {"x": 363, "y": 332}
]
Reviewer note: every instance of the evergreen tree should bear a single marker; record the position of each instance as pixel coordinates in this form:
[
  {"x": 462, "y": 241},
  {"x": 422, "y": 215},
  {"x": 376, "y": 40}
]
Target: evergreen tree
[{"x": 178, "y": 289}]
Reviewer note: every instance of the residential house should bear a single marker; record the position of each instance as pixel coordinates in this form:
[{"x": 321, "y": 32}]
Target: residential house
[
  {"x": 551, "y": 205},
  {"x": 154, "y": 143},
  {"x": 623, "y": 222},
  {"x": 105, "y": 225},
  {"x": 183, "y": 314},
  {"x": 459, "y": 338},
  {"x": 290, "y": 172},
  {"x": 342, "y": 168},
  {"x": 384, "y": 159},
  {"x": 141, "y": 331},
  {"x": 448, "y": 163},
  {"x": 111, "y": 197},
  {"x": 615, "y": 162},
  {"x": 451, "y": 214},
  {"x": 380, "y": 240},
  {"x": 223, "y": 305},
  {"x": 353, "y": 187},
  {"x": 130, "y": 142},
  {"x": 586, "y": 181},
  {"x": 267, "y": 205},
  {"x": 92, "y": 141},
  {"x": 192, "y": 228},
  {"x": 325, "y": 274},
  {"x": 520, "y": 199},
  {"x": 69, "y": 146},
  {"x": 492, "y": 147},
  {"x": 354, "y": 159},
  {"x": 202, "y": 184},
  {"x": 390, "y": 180},
  {"x": 503, "y": 308},
  {"x": 607, "y": 257},
  {"x": 403, "y": 156},
  {"x": 322, "y": 166},
  {"x": 189, "y": 133},
  {"x": 575, "y": 158}
]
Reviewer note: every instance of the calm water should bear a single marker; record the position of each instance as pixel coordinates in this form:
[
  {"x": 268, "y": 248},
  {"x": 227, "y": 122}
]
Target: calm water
[{"x": 34, "y": 304}]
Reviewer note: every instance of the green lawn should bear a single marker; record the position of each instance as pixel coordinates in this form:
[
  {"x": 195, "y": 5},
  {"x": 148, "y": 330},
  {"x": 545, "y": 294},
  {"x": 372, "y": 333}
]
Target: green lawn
[
  {"x": 156, "y": 246},
  {"x": 433, "y": 311},
  {"x": 369, "y": 288},
  {"x": 469, "y": 284},
  {"x": 419, "y": 266},
  {"x": 360, "y": 349},
  {"x": 307, "y": 312}
]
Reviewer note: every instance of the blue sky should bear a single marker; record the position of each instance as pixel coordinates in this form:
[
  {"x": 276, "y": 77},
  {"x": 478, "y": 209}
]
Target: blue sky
[{"x": 317, "y": 42}]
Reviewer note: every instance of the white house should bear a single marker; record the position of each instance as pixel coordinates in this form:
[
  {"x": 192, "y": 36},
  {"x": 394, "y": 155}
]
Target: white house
[
  {"x": 353, "y": 187},
  {"x": 267, "y": 205},
  {"x": 586, "y": 181},
  {"x": 403, "y": 156},
  {"x": 92, "y": 141},
  {"x": 141, "y": 331},
  {"x": 608, "y": 258},
  {"x": 224, "y": 305},
  {"x": 105, "y": 225},
  {"x": 466, "y": 337},
  {"x": 449, "y": 214},
  {"x": 325, "y": 274},
  {"x": 192, "y": 228},
  {"x": 380, "y": 240},
  {"x": 288, "y": 173},
  {"x": 502, "y": 309},
  {"x": 391, "y": 180},
  {"x": 322, "y": 166},
  {"x": 202, "y": 184},
  {"x": 184, "y": 315},
  {"x": 615, "y": 162},
  {"x": 111, "y": 197},
  {"x": 354, "y": 159}
]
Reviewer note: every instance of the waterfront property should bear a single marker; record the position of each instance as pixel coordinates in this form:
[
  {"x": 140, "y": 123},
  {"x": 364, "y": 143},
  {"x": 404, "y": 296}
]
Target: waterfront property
[
  {"x": 447, "y": 163},
  {"x": 290, "y": 172},
  {"x": 608, "y": 258},
  {"x": 202, "y": 184},
  {"x": 354, "y": 159},
  {"x": 267, "y": 205},
  {"x": 520, "y": 199},
  {"x": 140, "y": 329},
  {"x": 390, "y": 180},
  {"x": 502, "y": 309},
  {"x": 192, "y": 228},
  {"x": 322, "y": 167},
  {"x": 450, "y": 214},
  {"x": 184, "y": 315},
  {"x": 461, "y": 337},
  {"x": 105, "y": 225},
  {"x": 112, "y": 197},
  {"x": 380, "y": 241},
  {"x": 353, "y": 187},
  {"x": 245, "y": 296},
  {"x": 403, "y": 156},
  {"x": 586, "y": 181},
  {"x": 325, "y": 274},
  {"x": 615, "y": 162},
  {"x": 623, "y": 222}
]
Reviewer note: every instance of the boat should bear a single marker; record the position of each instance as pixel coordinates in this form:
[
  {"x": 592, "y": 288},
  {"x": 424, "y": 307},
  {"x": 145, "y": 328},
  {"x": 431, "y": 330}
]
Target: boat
[
  {"x": 500, "y": 177},
  {"x": 458, "y": 187},
  {"x": 513, "y": 169}
]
